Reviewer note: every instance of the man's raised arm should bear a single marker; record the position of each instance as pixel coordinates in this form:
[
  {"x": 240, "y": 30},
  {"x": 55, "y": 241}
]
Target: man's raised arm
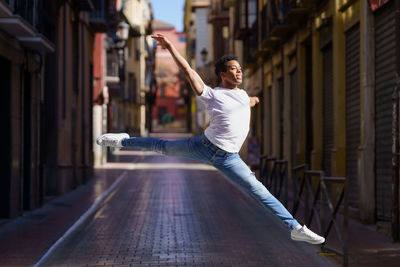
[{"x": 194, "y": 79}]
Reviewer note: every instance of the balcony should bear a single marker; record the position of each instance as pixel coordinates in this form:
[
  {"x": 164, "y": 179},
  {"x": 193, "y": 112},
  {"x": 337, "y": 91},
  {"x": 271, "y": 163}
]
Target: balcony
[
  {"x": 85, "y": 5},
  {"x": 244, "y": 17},
  {"x": 268, "y": 42},
  {"x": 21, "y": 24},
  {"x": 98, "y": 17},
  {"x": 5, "y": 9},
  {"x": 17, "y": 27},
  {"x": 38, "y": 43},
  {"x": 104, "y": 15},
  {"x": 30, "y": 24},
  {"x": 253, "y": 38},
  {"x": 279, "y": 20},
  {"x": 296, "y": 12},
  {"x": 46, "y": 23},
  {"x": 112, "y": 70},
  {"x": 251, "y": 47},
  {"x": 310, "y": 3},
  {"x": 278, "y": 27}
]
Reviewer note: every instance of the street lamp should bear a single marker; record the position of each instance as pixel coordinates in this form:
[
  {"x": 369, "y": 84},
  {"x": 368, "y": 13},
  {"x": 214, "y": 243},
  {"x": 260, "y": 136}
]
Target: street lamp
[{"x": 124, "y": 31}]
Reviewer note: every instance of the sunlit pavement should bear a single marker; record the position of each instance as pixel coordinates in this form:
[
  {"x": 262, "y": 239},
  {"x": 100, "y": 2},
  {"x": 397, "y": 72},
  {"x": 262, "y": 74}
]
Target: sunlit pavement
[{"x": 174, "y": 212}]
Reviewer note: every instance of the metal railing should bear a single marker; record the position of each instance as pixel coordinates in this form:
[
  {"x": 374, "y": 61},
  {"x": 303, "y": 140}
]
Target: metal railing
[
  {"x": 100, "y": 12},
  {"x": 310, "y": 194},
  {"x": 27, "y": 10},
  {"x": 264, "y": 23}
]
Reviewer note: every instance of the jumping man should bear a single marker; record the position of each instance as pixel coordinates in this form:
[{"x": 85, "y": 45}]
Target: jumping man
[{"x": 229, "y": 109}]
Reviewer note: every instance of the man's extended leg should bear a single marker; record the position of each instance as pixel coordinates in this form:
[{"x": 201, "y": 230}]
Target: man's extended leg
[
  {"x": 235, "y": 169},
  {"x": 188, "y": 148}
]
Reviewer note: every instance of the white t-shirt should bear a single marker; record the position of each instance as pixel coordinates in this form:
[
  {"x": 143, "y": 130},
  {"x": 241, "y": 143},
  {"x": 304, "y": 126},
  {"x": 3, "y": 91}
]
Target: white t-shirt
[{"x": 229, "y": 111}]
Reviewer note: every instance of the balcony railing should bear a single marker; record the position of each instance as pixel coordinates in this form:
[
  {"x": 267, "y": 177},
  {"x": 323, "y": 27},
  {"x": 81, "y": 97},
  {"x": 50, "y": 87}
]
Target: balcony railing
[
  {"x": 253, "y": 38},
  {"x": 296, "y": 12},
  {"x": 246, "y": 15},
  {"x": 37, "y": 14},
  {"x": 278, "y": 19},
  {"x": 250, "y": 48},
  {"x": 85, "y": 5},
  {"x": 99, "y": 15},
  {"x": 104, "y": 15},
  {"x": 31, "y": 22},
  {"x": 112, "y": 70},
  {"x": 46, "y": 23},
  {"x": 26, "y": 9}
]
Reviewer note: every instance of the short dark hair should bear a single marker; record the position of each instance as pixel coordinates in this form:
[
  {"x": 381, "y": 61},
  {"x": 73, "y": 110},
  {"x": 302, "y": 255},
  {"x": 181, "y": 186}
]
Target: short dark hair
[{"x": 220, "y": 65}]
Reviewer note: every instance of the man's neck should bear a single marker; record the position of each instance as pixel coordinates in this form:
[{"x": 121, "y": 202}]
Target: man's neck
[{"x": 229, "y": 86}]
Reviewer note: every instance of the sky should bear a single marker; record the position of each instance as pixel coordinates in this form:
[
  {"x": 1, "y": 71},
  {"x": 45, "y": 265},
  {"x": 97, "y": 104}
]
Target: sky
[{"x": 170, "y": 11}]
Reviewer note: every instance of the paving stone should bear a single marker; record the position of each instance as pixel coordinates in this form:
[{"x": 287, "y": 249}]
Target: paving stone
[{"x": 177, "y": 217}]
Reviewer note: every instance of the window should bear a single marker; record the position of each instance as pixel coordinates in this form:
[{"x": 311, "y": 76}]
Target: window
[{"x": 247, "y": 13}]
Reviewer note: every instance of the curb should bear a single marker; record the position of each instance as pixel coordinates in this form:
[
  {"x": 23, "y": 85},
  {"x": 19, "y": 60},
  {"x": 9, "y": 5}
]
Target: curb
[{"x": 81, "y": 219}]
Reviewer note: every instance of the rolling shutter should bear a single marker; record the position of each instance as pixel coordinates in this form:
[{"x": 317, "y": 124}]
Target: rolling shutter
[
  {"x": 6, "y": 156},
  {"x": 294, "y": 116},
  {"x": 327, "y": 137},
  {"x": 385, "y": 69},
  {"x": 352, "y": 110},
  {"x": 281, "y": 101}
]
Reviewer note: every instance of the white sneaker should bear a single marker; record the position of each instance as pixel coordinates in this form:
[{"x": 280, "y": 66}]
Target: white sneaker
[
  {"x": 111, "y": 139},
  {"x": 306, "y": 235}
]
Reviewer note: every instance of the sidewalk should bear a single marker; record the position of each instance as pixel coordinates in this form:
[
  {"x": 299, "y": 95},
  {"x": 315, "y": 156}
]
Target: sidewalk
[
  {"x": 25, "y": 239},
  {"x": 367, "y": 247}
]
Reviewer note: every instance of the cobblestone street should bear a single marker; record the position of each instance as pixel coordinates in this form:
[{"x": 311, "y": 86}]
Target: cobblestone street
[{"x": 174, "y": 212}]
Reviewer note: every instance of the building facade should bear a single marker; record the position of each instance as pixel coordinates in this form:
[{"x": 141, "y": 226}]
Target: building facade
[
  {"x": 45, "y": 53},
  {"x": 139, "y": 67},
  {"x": 199, "y": 51},
  {"x": 325, "y": 72},
  {"x": 123, "y": 73}
]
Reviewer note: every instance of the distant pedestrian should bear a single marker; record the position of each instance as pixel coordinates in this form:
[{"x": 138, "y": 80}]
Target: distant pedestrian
[{"x": 229, "y": 109}]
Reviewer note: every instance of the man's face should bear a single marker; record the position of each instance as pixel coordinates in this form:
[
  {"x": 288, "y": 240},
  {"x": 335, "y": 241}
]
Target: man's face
[{"x": 233, "y": 74}]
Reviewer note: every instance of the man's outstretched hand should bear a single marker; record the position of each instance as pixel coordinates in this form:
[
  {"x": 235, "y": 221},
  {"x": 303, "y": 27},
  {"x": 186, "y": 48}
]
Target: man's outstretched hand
[
  {"x": 254, "y": 100},
  {"x": 194, "y": 79},
  {"x": 161, "y": 40}
]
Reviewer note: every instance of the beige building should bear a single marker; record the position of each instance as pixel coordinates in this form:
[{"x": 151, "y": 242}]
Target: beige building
[
  {"x": 124, "y": 74},
  {"x": 139, "y": 62},
  {"x": 199, "y": 51}
]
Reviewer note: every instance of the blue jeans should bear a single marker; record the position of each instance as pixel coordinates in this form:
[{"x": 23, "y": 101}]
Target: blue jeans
[{"x": 230, "y": 164}]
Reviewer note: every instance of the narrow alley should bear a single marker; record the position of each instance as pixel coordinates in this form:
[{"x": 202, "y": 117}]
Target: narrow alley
[{"x": 175, "y": 212}]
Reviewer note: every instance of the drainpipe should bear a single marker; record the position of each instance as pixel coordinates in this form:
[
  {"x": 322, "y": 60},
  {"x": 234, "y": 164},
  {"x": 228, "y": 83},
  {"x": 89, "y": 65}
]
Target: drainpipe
[{"x": 395, "y": 133}]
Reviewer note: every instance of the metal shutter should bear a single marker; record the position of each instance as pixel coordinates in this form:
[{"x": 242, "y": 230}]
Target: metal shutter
[
  {"x": 294, "y": 116},
  {"x": 385, "y": 64},
  {"x": 6, "y": 156},
  {"x": 327, "y": 138},
  {"x": 352, "y": 110},
  {"x": 309, "y": 104},
  {"x": 270, "y": 124},
  {"x": 281, "y": 116}
]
